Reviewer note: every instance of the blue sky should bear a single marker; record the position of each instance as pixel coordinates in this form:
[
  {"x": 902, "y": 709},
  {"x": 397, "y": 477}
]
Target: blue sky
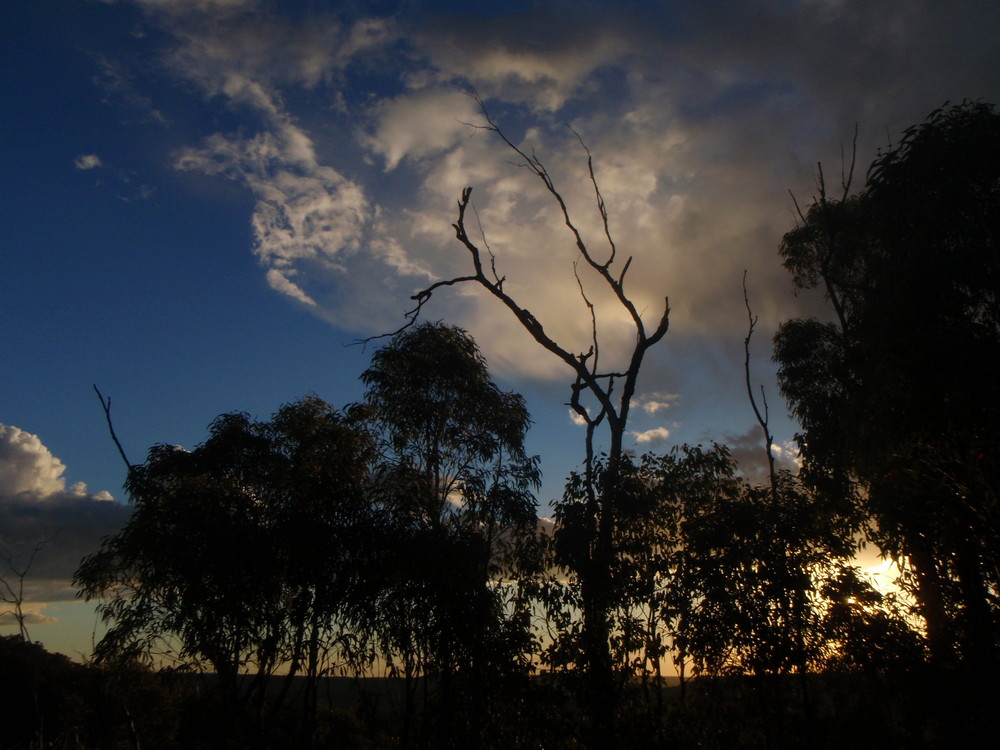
[{"x": 204, "y": 202}]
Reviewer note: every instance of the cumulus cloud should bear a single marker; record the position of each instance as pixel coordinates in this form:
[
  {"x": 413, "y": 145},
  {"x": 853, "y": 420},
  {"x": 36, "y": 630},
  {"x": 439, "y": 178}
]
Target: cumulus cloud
[
  {"x": 700, "y": 120},
  {"x": 653, "y": 403},
  {"x": 654, "y": 436},
  {"x": 27, "y": 465},
  {"x": 38, "y": 512},
  {"x": 88, "y": 161},
  {"x": 33, "y": 613}
]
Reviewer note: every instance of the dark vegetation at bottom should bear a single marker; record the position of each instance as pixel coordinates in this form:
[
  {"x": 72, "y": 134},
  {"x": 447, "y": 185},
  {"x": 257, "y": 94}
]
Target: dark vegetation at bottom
[{"x": 48, "y": 701}]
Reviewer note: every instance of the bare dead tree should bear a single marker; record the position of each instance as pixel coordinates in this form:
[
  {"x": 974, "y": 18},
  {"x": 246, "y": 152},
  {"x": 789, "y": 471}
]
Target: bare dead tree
[
  {"x": 12, "y": 587},
  {"x": 590, "y": 379},
  {"x": 824, "y": 207}
]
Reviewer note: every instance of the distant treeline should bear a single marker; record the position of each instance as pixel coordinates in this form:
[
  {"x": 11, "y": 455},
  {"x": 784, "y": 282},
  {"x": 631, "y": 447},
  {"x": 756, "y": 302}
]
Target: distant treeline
[{"x": 52, "y": 702}]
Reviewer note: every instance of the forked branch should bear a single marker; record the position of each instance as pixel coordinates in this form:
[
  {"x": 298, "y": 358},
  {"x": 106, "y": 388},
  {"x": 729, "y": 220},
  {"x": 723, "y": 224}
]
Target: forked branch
[
  {"x": 585, "y": 364},
  {"x": 12, "y": 589}
]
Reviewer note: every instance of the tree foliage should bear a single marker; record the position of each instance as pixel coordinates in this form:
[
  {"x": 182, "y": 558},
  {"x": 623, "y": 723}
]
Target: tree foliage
[
  {"x": 898, "y": 399},
  {"x": 457, "y": 487},
  {"x": 242, "y": 554}
]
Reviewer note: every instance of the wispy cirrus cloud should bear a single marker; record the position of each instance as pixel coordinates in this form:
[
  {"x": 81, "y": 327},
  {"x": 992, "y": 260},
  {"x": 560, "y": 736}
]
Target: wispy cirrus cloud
[
  {"x": 305, "y": 213},
  {"x": 316, "y": 232},
  {"x": 118, "y": 83}
]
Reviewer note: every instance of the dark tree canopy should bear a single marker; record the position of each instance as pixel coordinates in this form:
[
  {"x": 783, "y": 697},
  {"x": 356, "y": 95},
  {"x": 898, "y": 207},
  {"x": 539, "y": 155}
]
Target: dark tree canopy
[
  {"x": 899, "y": 399},
  {"x": 388, "y": 534},
  {"x": 457, "y": 488},
  {"x": 444, "y": 419},
  {"x": 241, "y": 555}
]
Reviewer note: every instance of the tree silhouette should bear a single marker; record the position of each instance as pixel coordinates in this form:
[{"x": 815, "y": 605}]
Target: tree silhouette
[
  {"x": 898, "y": 399},
  {"x": 457, "y": 486},
  {"x": 240, "y": 555}
]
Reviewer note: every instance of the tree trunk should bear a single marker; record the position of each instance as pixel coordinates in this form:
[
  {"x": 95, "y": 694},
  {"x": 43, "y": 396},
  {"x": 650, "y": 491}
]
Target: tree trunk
[
  {"x": 931, "y": 599},
  {"x": 980, "y": 636}
]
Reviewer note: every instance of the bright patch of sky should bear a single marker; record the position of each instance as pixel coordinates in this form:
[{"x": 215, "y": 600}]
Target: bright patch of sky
[{"x": 205, "y": 201}]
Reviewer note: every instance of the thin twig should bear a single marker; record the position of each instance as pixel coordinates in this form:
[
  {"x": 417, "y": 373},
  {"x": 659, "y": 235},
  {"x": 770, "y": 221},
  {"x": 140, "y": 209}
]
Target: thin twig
[
  {"x": 106, "y": 405},
  {"x": 762, "y": 418}
]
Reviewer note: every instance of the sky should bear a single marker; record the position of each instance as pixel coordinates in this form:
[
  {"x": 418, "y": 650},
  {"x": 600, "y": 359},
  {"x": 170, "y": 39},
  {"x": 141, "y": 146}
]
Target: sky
[{"x": 205, "y": 203}]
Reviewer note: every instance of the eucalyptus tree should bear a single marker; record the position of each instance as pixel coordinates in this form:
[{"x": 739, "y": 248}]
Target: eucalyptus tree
[
  {"x": 898, "y": 397},
  {"x": 241, "y": 555},
  {"x": 457, "y": 487}
]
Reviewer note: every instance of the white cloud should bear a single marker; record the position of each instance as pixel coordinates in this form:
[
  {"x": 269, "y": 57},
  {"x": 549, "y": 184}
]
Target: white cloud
[
  {"x": 317, "y": 234},
  {"x": 534, "y": 251},
  {"x": 305, "y": 212},
  {"x": 421, "y": 123},
  {"x": 577, "y": 418},
  {"x": 787, "y": 454},
  {"x": 653, "y": 436},
  {"x": 27, "y": 466},
  {"x": 656, "y": 402},
  {"x": 88, "y": 161},
  {"x": 281, "y": 283},
  {"x": 37, "y": 510},
  {"x": 264, "y": 47}
]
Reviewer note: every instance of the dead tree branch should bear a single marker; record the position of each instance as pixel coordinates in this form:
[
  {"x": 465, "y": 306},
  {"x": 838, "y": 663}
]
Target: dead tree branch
[
  {"x": 600, "y": 385},
  {"x": 762, "y": 417},
  {"x": 106, "y": 406},
  {"x": 12, "y": 589}
]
